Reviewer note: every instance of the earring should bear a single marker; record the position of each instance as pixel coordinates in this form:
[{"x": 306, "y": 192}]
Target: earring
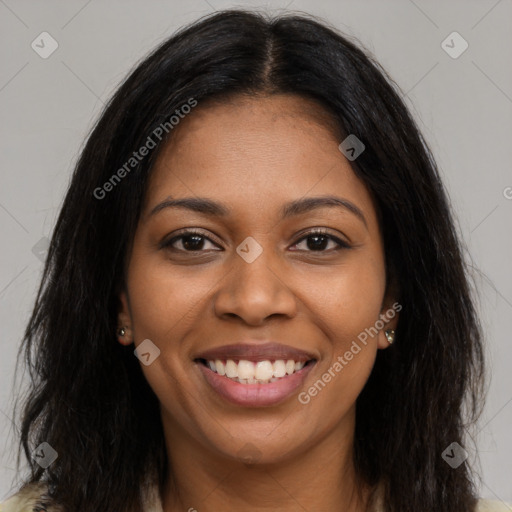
[
  {"x": 121, "y": 331},
  {"x": 390, "y": 335}
]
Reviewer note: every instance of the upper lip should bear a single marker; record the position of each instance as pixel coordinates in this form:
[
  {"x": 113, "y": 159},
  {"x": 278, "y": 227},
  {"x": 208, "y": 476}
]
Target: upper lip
[{"x": 255, "y": 352}]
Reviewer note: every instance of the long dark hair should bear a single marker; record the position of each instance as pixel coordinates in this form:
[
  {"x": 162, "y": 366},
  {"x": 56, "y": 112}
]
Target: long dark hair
[{"x": 88, "y": 397}]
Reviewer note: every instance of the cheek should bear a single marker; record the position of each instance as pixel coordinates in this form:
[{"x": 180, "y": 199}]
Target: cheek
[
  {"x": 164, "y": 300},
  {"x": 348, "y": 300},
  {"x": 164, "y": 305},
  {"x": 345, "y": 306}
]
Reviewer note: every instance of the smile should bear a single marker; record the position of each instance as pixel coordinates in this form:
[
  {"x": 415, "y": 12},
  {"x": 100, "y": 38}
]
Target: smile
[
  {"x": 261, "y": 372},
  {"x": 255, "y": 384}
]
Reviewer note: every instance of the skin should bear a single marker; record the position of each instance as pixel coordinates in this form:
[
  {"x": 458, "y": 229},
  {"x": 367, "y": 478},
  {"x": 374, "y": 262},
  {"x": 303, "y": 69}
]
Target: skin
[{"x": 253, "y": 155}]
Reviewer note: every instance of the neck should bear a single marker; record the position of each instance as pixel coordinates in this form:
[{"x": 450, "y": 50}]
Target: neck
[{"x": 319, "y": 478}]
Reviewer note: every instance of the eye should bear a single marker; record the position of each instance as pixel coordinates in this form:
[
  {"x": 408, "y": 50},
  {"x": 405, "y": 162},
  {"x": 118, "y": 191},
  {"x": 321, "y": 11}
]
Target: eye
[
  {"x": 190, "y": 241},
  {"x": 318, "y": 239}
]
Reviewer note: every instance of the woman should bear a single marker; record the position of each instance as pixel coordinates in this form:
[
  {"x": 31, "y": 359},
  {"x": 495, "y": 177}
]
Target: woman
[{"x": 255, "y": 297}]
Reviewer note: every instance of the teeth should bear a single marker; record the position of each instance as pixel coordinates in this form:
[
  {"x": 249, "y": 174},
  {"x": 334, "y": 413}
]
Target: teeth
[
  {"x": 264, "y": 370},
  {"x": 279, "y": 368},
  {"x": 245, "y": 369},
  {"x": 220, "y": 368},
  {"x": 261, "y": 372},
  {"x": 231, "y": 369}
]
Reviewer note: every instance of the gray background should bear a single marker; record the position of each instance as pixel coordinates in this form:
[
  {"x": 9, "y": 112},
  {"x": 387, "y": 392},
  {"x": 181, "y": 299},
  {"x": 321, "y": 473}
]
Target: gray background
[{"x": 463, "y": 106}]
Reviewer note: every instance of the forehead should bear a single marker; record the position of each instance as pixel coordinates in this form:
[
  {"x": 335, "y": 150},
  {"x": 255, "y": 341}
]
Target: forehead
[{"x": 256, "y": 150}]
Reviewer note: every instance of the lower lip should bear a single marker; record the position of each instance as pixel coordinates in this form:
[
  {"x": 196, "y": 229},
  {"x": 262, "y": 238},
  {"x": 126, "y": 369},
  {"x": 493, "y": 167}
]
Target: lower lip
[{"x": 255, "y": 395}]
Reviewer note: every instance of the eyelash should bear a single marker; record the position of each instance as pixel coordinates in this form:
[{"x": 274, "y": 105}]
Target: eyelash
[{"x": 167, "y": 244}]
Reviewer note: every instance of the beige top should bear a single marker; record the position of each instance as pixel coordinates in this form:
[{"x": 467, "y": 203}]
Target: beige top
[{"x": 28, "y": 499}]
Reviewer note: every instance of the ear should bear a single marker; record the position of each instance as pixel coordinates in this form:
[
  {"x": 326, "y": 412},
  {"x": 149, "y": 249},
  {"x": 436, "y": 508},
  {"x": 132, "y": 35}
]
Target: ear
[
  {"x": 389, "y": 314},
  {"x": 389, "y": 317},
  {"x": 124, "y": 320}
]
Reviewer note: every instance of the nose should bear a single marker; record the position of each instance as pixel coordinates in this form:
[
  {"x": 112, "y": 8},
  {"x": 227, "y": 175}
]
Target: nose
[{"x": 255, "y": 291}]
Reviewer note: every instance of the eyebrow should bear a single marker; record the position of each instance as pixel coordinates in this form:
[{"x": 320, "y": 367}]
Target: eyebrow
[{"x": 212, "y": 208}]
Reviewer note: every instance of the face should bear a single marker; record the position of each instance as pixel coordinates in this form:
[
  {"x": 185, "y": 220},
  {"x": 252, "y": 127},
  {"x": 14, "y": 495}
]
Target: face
[{"x": 256, "y": 282}]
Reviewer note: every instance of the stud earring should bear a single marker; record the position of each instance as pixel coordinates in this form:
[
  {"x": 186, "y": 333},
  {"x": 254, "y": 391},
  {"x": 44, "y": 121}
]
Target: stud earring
[
  {"x": 390, "y": 335},
  {"x": 121, "y": 331}
]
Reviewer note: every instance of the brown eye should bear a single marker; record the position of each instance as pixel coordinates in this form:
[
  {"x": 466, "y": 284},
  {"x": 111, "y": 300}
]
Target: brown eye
[
  {"x": 190, "y": 241},
  {"x": 318, "y": 241}
]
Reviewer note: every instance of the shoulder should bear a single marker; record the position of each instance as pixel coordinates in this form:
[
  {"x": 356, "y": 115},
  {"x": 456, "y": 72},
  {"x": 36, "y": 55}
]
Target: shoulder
[
  {"x": 34, "y": 497},
  {"x": 30, "y": 498},
  {"x": 482, "y": 506},
  {"x": 493, "y": 506}
]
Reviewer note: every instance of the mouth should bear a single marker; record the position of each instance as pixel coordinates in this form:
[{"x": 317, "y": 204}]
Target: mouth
[
  {"x": 252, "y": 375},
  {"x": 246, "y": 372}
]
